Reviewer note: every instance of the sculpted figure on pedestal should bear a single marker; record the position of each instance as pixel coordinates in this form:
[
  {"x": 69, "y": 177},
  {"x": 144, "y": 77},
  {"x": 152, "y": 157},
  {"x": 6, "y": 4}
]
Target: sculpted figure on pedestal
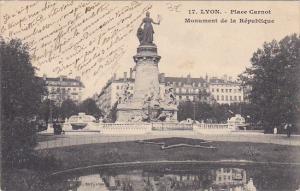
[
  {"x": 126, "y": 95},
  {"x": 145, "y": 34},
  {"x": 169, "y": 95}
]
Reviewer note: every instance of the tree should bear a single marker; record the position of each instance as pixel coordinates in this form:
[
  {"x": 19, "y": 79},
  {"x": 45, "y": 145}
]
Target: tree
[
  {"x": 199, "y": 110},
  {"x": 112, "y": 115},
  {"x": 21, "y": 99},
  {"x": 215, "y": 113},
  {"x": 90, "y": 107},
  {"x": 67, "y": 109},
  {"x": 274, "y": 79},
  {"x": 48, "y": 110},
  {"x": 185, "y": 110}
]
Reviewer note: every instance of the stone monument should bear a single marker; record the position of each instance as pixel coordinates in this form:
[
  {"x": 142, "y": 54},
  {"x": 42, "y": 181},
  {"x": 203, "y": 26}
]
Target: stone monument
[{"x": 146, "y": 104}]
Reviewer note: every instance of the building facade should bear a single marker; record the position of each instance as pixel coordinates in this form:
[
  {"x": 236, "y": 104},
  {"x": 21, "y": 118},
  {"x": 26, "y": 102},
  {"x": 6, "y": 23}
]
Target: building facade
[
  {"x": 209, "y": 90},
  {"x": 189, "y": 89},
  {"x": 63, "y": 88},
  {"x": 225, "y": 91}
]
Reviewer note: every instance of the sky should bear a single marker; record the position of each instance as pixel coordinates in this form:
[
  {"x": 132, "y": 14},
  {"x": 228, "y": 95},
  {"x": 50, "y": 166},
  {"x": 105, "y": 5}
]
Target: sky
[{"x": 186, "y": 48}]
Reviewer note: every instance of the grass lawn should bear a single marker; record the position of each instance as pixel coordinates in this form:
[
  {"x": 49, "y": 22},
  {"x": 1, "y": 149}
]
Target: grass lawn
[{"x": 102, "y": 153}]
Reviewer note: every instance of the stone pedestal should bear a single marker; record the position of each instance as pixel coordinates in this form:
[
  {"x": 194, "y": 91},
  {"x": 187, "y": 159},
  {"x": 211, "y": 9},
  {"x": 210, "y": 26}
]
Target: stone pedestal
[{"x": 146, "y": 103}]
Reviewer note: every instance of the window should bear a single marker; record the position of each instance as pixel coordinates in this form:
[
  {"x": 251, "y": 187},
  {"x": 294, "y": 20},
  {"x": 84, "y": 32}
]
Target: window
[
  {"x": 222, "y": 97},
  {"x": 217, "y": 90},
  {"x": 187, "y": 91},
  {"x": 240, "y": 98},
  {"x": 234, "y": 98},
  {"x": 118, "y": 87},
  {"x": 217, "y": 97},
  {"x": 226, "y": 90},
  {"x": 222, "y": 90},
  {"x": 131, "y": 87},
  {"x": 212, "y": 90},
  {"x": 229, "y": 90},
  {"x": 180, "y": 97},
  {"x": 230, "y": 98},
  {"x": 226, "y": 98}
]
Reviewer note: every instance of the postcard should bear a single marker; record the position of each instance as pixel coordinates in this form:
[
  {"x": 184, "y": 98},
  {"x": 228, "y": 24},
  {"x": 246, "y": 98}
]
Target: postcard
[{"x": 150, "y": 95}]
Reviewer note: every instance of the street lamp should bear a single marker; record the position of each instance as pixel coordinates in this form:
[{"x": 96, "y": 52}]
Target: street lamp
[{"x": 194, "y": 109}]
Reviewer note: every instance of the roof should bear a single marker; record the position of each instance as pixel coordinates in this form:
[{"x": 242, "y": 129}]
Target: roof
[
  {"x": 123, "y": 80},
  {"x": 185, "y": 79},
  {"x": 57, "y": 79},
  {"x": 167, "y": 79},
  {"x": 221, "y": 81}
]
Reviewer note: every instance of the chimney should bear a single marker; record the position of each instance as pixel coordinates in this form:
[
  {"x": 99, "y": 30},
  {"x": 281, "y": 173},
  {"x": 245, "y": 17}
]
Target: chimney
[
  {"x": 61, "y": 78},
  {"x": 44, "y": 77},
  {"x": 125, "y": 76},
  {"x": 162, "y": 77},
  {"x": 114, "y": 76},
  {"x": 189, "y": 78},
  {"x": 77, "y": 78},
  {"x": 225, "y": 77},
  {"x": 130, "y": 74}
]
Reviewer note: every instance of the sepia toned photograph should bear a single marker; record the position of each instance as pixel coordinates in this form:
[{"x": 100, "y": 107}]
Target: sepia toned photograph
[{"x": 150, "y": 95}]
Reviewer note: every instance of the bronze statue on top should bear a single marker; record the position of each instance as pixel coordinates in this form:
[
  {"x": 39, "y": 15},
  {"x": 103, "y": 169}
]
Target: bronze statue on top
[{"x": 145, "y": 34}]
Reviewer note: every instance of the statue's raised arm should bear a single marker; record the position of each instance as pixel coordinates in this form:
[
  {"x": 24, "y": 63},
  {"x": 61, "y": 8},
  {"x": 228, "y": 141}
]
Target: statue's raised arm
[{"x": 145, "y": 34}]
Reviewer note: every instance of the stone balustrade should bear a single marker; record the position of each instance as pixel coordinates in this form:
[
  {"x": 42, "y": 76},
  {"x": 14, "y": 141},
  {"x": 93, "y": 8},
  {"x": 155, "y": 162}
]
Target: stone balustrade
[
  {"x": 125, "y": 128},
  {"x": 208, "y": 128},
  {"x": 211, "y": 126},
  {"x": 143, "y": 128},
  {"x": 171, "y": 126}
]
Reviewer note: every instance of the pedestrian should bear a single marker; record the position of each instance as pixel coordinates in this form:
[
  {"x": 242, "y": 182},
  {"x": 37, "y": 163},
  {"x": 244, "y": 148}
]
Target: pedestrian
[
  {"x": 275, "y": 130},
  {"x": 289, "y": 130},
  {"x": 285, "y": 128}
]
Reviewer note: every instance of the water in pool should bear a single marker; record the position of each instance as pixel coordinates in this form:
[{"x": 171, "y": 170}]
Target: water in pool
[{"x": 184, "y": 178}]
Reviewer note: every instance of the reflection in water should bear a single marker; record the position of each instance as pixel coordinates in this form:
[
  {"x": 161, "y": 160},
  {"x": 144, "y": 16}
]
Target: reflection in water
[
  {"x": 231, "y": 179},
  {"x": 186, "y": 179},
  {"x": 89, "y": 183}
]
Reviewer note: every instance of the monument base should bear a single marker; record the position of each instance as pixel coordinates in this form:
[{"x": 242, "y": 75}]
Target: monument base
[
  {"x": 146, "y": 103},
  {"x": 135, "y": 112}
]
